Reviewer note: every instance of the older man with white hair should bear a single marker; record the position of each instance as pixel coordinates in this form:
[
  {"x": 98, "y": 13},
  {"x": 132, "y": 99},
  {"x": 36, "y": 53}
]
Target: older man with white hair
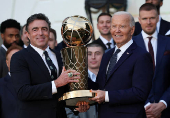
[{"x": 125, "y": 74}]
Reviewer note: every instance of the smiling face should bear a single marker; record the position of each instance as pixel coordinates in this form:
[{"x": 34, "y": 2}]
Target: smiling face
[
  {"x": 38, "y": 33},
  {"x": 148, "y": 21},
  {"x": 104, "y": 24},
  {"x": 121, "y": 30}
]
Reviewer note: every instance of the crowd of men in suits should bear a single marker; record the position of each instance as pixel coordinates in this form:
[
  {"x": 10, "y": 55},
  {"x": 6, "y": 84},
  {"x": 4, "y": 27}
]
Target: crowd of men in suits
[{"x": 128, "y": 68}]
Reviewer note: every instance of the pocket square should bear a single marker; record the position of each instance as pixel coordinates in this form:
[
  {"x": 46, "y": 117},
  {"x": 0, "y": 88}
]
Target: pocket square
[{"x": 167, "y": 52}]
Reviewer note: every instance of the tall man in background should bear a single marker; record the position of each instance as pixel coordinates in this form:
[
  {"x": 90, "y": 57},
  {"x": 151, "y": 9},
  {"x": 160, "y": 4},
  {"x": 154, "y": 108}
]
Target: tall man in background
[
  {"x": 162, "y": 27},
  {"x": 103, "y": 25},
  {"x": 157, "y": 104},
  {"x": 125, "y": 74},
  {"x": 10, "y": 34}
]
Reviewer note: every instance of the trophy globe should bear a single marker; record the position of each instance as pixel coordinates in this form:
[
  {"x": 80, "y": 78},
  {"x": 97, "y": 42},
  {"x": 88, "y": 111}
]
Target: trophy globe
[{"x": 76, "y": 32}]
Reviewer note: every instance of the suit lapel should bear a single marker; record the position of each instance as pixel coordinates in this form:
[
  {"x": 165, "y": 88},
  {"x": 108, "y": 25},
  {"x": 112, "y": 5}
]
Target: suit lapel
[
  {"x": 102, "y": 44},
  {"x": 140, "y": 42},
  {"x": 9, "y": 85},
  {"x": 161, "y": 44},
  {"x": 125, "y": 55},
  {"x": 39, "y": 61}
]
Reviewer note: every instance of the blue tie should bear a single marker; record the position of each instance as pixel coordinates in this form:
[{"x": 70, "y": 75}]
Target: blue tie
[
  {"x": 51, "y": 66},
  {"x": 113, "y": 61}
]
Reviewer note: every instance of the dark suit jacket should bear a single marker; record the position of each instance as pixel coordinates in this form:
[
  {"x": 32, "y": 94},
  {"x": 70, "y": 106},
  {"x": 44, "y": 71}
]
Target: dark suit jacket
[
  {"x": 8, "y": 98},
  {"x": 3, "y": 66},
  {"x": 32, "y": 83},
  {"x": 100, "y": 42},
  {"x": 60, "y": 46},
  {"x": 164, "y": 28},
  {"x": 129, "y": 84},
  {"x": 161, "y": 80}
]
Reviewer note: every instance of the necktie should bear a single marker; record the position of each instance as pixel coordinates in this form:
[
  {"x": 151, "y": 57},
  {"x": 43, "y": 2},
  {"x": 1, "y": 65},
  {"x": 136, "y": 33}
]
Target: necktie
[
  {"x": 109, "y": 47},
  {"x": 113, "y": 61},
  {"x": 51, "y": 66},
  {"x": 151, "y": 51}
]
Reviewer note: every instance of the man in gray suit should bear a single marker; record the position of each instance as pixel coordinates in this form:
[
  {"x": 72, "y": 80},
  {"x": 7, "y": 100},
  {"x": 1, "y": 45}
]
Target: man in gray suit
[{"x": 10, "y": 29}]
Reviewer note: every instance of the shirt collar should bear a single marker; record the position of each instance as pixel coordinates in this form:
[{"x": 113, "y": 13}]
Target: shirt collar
[
  {"x": 125, "y": 46},
  {"x": 92, "y": 76},
  {"x": 106, "y": 41},
  {"x": 40, "y": 51},
  {"x": 154, "y": 35},
  {"x": 4, "y": 47}
]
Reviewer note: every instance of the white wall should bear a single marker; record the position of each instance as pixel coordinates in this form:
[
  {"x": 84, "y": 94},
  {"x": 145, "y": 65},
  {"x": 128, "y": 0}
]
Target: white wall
[{"x": 58, "y": 10}]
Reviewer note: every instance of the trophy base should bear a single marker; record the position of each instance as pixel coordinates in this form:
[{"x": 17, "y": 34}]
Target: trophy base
[{"x": 73, "y": 97}]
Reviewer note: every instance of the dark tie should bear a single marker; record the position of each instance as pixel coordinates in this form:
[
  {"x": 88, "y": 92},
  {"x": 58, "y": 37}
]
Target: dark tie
[
  {"x": 51, "y": 66},
  {"x": 151, "y": 51},
  {"x": 113, "y": 61},
  {"x": 109, "y": 45}
]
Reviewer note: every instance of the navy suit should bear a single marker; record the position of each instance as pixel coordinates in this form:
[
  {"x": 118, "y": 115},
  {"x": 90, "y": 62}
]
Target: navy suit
[
  {"x": 128, "y": 85},
  {"x": 32, "y": 83},
  {"x": 164, "y": 27},
  {"x": 161, "y": 80},
  {"x": 8, "y": 98},
  {"x": 3, "y": 66}
]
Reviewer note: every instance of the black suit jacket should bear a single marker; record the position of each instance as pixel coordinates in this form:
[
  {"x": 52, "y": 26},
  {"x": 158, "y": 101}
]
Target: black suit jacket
[
  {"x": 100, "y": 42},
  {"x": 8, "y": 98},
  {"x": 164, "y": 28},
  {"x": 3, "y": 66},
  {"x": 32, "y": 83},
  {"x": 161, "y": 80}
]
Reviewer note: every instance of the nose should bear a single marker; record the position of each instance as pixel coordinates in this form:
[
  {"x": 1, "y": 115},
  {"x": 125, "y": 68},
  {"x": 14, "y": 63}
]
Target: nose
[
  {"x": 40, "y": 32},
  {"x": 117, "y": 29},
  {"x": 148, "y": 21},
  {"x": 93, "y": 56},
  {"x": 14, "y": 38}
]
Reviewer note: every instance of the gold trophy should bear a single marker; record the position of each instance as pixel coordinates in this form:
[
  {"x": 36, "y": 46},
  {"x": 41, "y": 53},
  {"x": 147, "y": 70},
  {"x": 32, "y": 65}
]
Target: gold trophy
[{"x": 76, "y": 32}]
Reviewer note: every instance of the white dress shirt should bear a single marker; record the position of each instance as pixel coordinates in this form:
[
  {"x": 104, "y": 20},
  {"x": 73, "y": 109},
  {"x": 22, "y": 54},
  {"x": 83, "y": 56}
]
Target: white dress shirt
[
  {"x": 54, "y": 60},
  {"x": 122, "y": 50},
  {"x": 4, "y": 47},
  {"x": 106, "y": 41},
  {"x": 92, "y": 76},
  {"x": 154, "y": 41}
]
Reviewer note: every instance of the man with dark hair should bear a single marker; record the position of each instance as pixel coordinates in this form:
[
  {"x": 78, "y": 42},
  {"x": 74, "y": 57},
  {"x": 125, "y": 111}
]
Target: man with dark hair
[
  {"x": 24, "y": 37},
  {"x": 103, "y": 25},
  {"x": 157, "y": 104},
  {"x": 10, "y": 29},
  {"x": 125, "y": 73},
  {"x": 52, "y": 39},
  {"x": 8, "y": 98},
  {"x": 162, "y": 26},
  {"x": 36, "y": 75}
]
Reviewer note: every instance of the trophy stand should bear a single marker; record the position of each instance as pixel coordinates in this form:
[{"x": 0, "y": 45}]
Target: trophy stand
[{"x": 75, "y": 57}]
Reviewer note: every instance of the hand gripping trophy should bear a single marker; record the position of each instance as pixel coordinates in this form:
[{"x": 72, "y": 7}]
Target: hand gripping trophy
[{"x": 76, "y": 32}]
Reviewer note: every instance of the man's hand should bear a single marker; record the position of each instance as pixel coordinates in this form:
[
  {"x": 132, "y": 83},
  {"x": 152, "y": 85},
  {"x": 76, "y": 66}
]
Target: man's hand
[
  {"x": 64, "y": 79},
  {"x": 100, "y": 96},
  {"x": 154, "y": 110},
  {"x": 82, "y": 106}
]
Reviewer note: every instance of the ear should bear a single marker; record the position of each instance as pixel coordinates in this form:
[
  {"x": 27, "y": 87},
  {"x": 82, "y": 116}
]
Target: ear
[
  {"x": 97, "y": 26},
  {"x": 28, "y": 35},
  {"x": 132, "y": 30},
  {"x": 139, "y": 20},
  {"x": 2, "y": 36},
  {"x": 161, "y": 3}
]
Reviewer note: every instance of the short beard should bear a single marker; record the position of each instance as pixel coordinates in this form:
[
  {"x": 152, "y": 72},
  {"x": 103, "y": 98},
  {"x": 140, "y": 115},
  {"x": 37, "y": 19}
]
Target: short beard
[{"x": 7, "y": 45}]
